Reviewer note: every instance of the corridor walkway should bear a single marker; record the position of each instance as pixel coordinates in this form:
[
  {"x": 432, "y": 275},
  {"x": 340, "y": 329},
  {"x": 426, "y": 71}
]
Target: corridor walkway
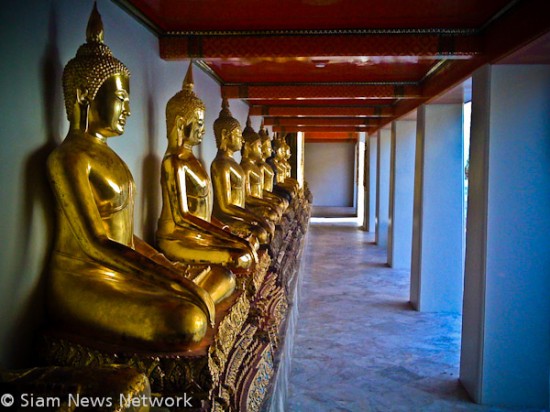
[{"x": 359, "y": 346}]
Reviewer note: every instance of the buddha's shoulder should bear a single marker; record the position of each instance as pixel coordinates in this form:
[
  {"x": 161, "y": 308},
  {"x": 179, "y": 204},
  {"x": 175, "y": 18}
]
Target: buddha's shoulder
[
  {"x": 72, "y": 153},
  {"x": 68, "y": 151},
  {"x": 222, "y": 162}
]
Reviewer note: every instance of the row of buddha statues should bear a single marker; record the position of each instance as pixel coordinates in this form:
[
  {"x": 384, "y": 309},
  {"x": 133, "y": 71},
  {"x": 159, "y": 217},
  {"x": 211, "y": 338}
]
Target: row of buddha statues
[{"x": 107, "y": 283}]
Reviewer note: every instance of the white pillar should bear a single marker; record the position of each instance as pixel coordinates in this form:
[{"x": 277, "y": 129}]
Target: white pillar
[
  {"x": 505, "y": 357},
  {"x": 436, "y": 266},
  {"x": 403, "y": 134},
  {"x": 382, "y": 186},
  {"x": 371, "y": 149}
]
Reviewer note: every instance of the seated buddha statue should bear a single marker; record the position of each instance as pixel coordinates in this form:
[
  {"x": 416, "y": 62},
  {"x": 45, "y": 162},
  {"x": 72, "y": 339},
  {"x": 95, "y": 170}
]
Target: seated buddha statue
[
  {"x": 251, "y": 153},
  {"x": 185, "y": 230},
  {"x": 228, "y": 180},
  {"x": 281, "y": 196},
  {"x": 281, "y": 167},
  {"x": 104, "y": 282},
  {"x": 288, "y": 168}
]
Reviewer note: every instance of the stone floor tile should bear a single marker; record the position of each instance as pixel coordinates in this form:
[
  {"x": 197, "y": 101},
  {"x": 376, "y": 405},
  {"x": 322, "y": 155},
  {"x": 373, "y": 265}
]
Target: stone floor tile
[{"x": 359, "y": 346}]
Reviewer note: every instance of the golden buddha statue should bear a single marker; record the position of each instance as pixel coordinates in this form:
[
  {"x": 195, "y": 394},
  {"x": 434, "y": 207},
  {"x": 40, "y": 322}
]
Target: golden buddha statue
[
  {"x": 282, "y": 167},
  {"x": 288, "y": 168},
  {"x": 270, "y": 191},
  {"x": 185, "y": 232},
  {"x": 251, "y": 152},
  {"x": 105, "y": 283},
  {"x": 228, "y": 180}
]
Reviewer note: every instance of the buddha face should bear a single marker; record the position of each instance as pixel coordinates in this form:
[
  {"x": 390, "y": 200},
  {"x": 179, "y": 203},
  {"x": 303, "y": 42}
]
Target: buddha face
[
  {"x": 256, "y": 149},
  {"x": 267, "y": 149},
  {"x": 194, "y": 131},
  {"x": 235, "y": 139},
  {"x": 109, "y": 109},
  {"x": 280, "y": 152}
]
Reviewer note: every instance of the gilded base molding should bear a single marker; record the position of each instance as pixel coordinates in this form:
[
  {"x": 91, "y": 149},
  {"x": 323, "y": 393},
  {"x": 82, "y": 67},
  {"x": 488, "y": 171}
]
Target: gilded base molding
[{"x": 232, "y": 368}]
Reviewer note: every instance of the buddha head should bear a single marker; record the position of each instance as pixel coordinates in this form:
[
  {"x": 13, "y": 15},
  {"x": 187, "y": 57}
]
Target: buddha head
[
  {"x": 252, "y": 146},
  {"x": 185, "y": 115},
  {"x": 279, "y": 147},
  {"x": 96, "y": 85},
  {"x": 267, "y": 149},
  {"x": 286, "y": 148},
  {"x": 227, "y": 130}
]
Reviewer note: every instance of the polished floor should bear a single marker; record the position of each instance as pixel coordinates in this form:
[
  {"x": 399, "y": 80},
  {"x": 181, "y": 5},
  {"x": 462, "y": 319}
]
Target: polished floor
[{"x": 358, "y": 344}]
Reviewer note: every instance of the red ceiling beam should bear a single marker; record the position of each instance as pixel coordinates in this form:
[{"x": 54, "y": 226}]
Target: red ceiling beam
[
  {"x": 222, "y": 46},
  {"x": 525, "y": 22},
  {"x": 303, "y": 91},
  {"x": 319, "y": 121},
  {"x": 280, "y": 111},
  {"x": 329, "y": 140},
  {"x": 325, "y": 129},
  {"x": 311, "y": 136},
  {"x": 322, "y": 102}
]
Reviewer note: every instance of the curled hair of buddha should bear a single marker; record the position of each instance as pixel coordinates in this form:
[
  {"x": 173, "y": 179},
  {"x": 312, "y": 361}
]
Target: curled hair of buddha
[
  {"x": 184, "y": 103},
  {"x": 249, "y": 135},
  {"x": 224, "y": 121},
  {"x": 264, "y": 135},
  {"x": 93, "y": 64}
]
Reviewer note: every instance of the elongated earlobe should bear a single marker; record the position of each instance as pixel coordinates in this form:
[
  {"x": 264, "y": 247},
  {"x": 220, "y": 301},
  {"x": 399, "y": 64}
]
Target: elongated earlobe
[
  {"x": 223, "y": 143},
  {"x": 80, "y": 111},
  {"x": 82, "y": 97}
]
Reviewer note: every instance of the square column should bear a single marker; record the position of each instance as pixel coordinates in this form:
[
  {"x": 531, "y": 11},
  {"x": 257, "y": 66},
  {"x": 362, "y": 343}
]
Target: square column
[
  {"x": 383, "y": 187},
  {"x": 371, "y": 153},
  {"x": 436, "y": 267},
  {"x": 505, "y": 358},
  {"x": 403, "y": 136}
]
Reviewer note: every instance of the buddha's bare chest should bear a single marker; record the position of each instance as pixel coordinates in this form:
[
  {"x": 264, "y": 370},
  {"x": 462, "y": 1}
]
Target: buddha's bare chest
[
  {"x": 236, "y": 176},
  {"x": 197, "y": 181},
  {"x": 112, "y": 186}
]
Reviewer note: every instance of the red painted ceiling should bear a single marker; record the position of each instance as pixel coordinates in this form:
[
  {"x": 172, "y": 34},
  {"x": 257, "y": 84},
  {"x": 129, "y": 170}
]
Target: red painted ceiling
[
  {"x": 338, "y": 69},
  {"x": 377, "y": 60},
  {"x": 212, "y": 15}
]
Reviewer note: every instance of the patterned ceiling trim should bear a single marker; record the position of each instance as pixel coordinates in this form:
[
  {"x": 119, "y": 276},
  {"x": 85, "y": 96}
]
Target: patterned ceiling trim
[
  {"x": 219, "y": 47},
  {"x": 328, "y": 139},
  {"x": 326, "y": 111},
  {"x": 337, "y": 32},
  {"x": 319, "y": 121},
  {"x": 317, "y": 84},
  {"x": 321, "y": 91},
  {"x": 327, "y": 129},
  {"x": 345, "y": 137}
]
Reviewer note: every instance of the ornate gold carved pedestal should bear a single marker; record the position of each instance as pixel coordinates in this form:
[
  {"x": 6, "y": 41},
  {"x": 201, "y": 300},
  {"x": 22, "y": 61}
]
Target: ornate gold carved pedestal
[{"x": 232, "y": 368}]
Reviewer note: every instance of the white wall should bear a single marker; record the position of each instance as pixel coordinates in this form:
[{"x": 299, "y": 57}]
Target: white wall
[
  {"x": 505, "y": 355},
  {"x": 370, "y": 183},
  {"x": 438, "y": 227},
  {"x": 383, "y": 156},
  {"x": 403, "y": 141},
  {"x": 37, "y": 39},
  {"x": 330, "y": 173}
]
